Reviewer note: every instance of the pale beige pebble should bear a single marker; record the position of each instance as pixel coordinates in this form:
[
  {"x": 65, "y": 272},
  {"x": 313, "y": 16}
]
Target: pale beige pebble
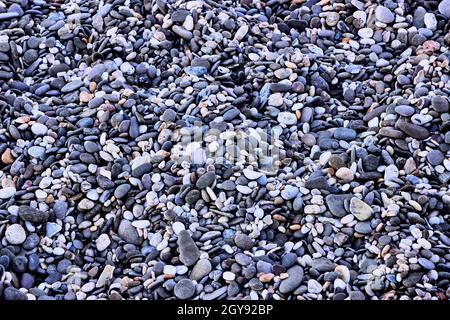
[
  {"x": 317, "y": 199},
  {"x": 81, "y": 295},
  {"x": 22, "y": 119},
  {"x": 39, "y": 129},
  {"x": 339, "y": 283},
  {"x": 439, "y": 169},
  {"x": 361, "y": 210},
  {"x": 253, "y": 56},
  {"x": 45, "y": 182},
  {"x": 415, "y": 205},
  {"x": 345, "y": 174},
  {"x": 361, "y": 17},
  {"x": 86, "y": 204},
  {"x": 324, "y": 158},
  {"x": 105, "y": 276},
  {"x": 447, "y": 164},
  {"x": 365, "y": 32},
  {"x": 290, "y": 65},
  {"x": 374, "y": 249},
  {"x": 332, "y": 19},
  {"x": 391, "y": 172},
  {"x": 282, "y": 73},
  {"x": 344, "y": 273},
  {"x": 170, "y": 270},
  {"x": 241, "y": 33},
  {"x": 284, "y": 275},
  {"x": 430, "y": 21},
  {"x": 85, "y": 97},
  {"x": 188, "y": 23},
  {"x": 40, "y": 194},
  {"x": 266, "y": 277}
]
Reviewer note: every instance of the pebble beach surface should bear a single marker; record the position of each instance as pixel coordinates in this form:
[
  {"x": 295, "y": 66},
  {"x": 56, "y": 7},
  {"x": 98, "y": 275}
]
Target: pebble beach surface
[{"x": 328, "y": 178}]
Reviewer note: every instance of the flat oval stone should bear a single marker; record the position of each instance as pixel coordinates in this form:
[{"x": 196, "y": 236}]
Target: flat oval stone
[
  {"x": 294, "y": 279},
  {"x": 201, "y": 269},
  {"x": 72, "y": 86},
  {"x": 413, "y": 130},
  {"x": 36, "y": 151},
  {"x": 231, "y": 114},
  {"x": 346, "y": 134},
  {"x": 182, "y": 32},
  {"x": 196, "y": 71},
  {"x": 189, "y": 252},
  {"x": 122, "y": 190},
  {"x": 39, "y": 129},
  {"x": 384, "y": 15},
  {"x": 405, "y": 110},
  {"x": 206, "y": 180}
]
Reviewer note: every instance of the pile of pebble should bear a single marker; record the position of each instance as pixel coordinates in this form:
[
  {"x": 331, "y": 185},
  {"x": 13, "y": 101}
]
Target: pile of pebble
[{"x": 96, "y": 96}]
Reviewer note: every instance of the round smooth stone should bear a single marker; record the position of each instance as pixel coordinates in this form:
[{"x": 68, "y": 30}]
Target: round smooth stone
[
  {"x": 39, "y": 129},
  {"x": 184, "y": 289},
  {"x": 435, "y": 157},
  {"x": 405, "y": 110},
  {"x": 15, "y": 234}
]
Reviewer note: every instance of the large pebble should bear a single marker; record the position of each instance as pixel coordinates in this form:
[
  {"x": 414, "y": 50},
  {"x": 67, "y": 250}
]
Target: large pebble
[
  {"x": 361, "y": 210},
  {"x": 384, "y": 15},
  {"x": 293, "y": 280},
  {"x": 184, "y": 289},
  {"x": 15, "y": 234},
  {"x": 8, "y": 192},
  {"x": 189, "y": 252}
]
